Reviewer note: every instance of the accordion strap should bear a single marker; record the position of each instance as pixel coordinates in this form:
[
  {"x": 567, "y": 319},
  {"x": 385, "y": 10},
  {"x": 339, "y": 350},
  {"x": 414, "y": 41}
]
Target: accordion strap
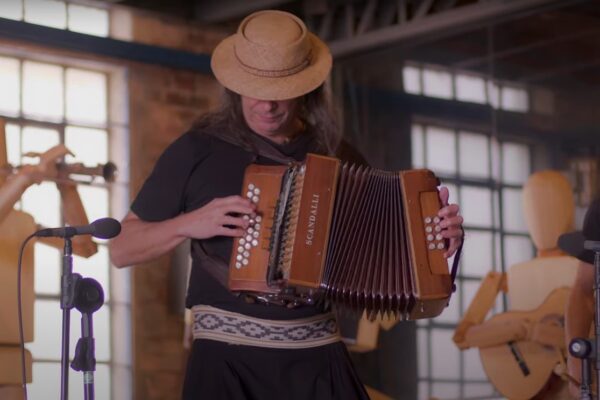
[
  {"x": 456, "y": 261},
  {"x": 216, "y": 267},
  {"x": 257, "y": 145}
]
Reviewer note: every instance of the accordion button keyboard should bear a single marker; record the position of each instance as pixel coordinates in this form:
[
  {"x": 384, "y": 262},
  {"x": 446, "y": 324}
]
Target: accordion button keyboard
[
  {"x": 429, "y": 238},
  {"x": 238, "y": 265},
  {"x": 441, "y": 246},
  {"x": 427, "y": 220},
  {"x": 438, "y": 236},
  {"x": 431, "y": 246},
  {"x": 258, "y": 218},
  {"x": 428, "y": 229},
  {"x": 254, "y": 243},
  {"x": 436, "y": 220}
]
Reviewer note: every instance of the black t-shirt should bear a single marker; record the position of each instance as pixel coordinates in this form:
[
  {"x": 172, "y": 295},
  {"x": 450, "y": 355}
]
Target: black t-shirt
[{"x": 194, "y": 170}]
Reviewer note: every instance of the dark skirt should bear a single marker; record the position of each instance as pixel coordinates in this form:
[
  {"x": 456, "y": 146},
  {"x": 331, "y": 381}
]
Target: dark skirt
[{"x": 220, "y": 371}]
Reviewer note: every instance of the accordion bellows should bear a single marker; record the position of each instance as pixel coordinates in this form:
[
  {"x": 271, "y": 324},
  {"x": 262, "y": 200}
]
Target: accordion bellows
[{"x": 362, "y": 238}]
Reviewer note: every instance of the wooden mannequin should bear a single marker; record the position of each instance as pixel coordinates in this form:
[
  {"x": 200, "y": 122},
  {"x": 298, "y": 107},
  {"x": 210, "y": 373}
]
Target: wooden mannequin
[
  {"x": 15, "y": 227},
  {"x": 532, "y": 331}
]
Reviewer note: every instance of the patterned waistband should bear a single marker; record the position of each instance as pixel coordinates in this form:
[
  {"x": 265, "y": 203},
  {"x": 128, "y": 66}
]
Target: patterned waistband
[{"x": 230, "y": 327}]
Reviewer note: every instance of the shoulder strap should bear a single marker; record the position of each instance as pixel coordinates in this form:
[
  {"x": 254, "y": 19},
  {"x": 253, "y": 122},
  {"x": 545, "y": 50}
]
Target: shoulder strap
[
  {"x": 216, "y": 267},
  {"x": 253, "y": 144}
]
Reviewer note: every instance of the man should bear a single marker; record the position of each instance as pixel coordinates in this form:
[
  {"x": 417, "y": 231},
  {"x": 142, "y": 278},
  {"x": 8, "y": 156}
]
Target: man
[{"x": 275, "y": 110}]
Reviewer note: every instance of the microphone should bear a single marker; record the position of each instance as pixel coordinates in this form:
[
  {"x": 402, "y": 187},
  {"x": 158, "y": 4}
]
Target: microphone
[
  {"x": 103, "y": 228},
  {"x": 574, "y": 244}
]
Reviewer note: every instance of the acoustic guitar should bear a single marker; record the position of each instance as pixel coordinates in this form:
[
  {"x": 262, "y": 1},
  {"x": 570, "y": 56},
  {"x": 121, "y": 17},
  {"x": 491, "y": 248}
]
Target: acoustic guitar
[{"x": 520, "y": 350}]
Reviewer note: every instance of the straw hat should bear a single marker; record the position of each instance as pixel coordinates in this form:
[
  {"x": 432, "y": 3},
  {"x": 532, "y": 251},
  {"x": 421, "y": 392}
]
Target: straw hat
[{"x": 272, "y": 56}]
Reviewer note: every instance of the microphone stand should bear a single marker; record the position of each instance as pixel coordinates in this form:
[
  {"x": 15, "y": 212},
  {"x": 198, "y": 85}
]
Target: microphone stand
[
  {"x": 68, "y": 284},
  {"x": 586, "y": 349}
]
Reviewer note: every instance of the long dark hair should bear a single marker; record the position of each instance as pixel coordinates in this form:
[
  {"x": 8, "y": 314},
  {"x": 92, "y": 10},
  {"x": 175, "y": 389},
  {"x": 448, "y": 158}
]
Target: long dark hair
[{"x": 316, "y": 112}]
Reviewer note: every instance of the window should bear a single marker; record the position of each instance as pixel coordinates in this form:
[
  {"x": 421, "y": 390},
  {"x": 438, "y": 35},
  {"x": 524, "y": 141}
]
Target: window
[
  {"x": 46, "y": 104},
  {"x": 485, "y": 177},
  {"x": 59, "y": 15},
  {"x": 440, "y": 82}
]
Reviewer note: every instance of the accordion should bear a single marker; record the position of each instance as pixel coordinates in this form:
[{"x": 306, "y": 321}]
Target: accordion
[{"x": 358, "y": 237}]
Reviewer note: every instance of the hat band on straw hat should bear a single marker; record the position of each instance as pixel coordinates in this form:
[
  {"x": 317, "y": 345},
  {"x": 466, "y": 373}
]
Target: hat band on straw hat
[{"x": 279, "y": 73}]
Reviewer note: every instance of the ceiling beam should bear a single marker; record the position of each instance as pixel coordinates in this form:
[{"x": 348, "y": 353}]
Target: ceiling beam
[
  {"x": 101, "y": 46},
  {"x": 442, "y": 23},
  {"x": 223, "y": 10}
]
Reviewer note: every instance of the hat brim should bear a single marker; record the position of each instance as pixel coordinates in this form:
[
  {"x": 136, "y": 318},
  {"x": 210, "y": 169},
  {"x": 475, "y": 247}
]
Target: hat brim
[
  {"x": 572, "y": 243},
  {"x": 234, "y": 77}
]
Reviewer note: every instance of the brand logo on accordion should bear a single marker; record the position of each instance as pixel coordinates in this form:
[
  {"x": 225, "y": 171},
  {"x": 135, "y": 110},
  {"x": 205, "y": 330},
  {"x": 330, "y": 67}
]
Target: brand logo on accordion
[{"x": 312, "y": 219}]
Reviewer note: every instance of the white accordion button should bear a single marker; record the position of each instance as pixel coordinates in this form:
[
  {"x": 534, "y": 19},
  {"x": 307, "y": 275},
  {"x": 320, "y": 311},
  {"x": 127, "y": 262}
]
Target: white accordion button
[
  {"x": 427, "y": 220},
  {"x": 428, "y": 229},
  {"x": 238, "y": 265},
  {"x": 258, "y": 218},
  {"x": 251, "y": 186},
  {"x": 438, "y": 236},
  {"x": 436, "y": 220},
  {"x": 245, "y": 261},
  {"x": 440, "y": 246},
  {"x": 255, "y": 199},
  {"x": 429, "y": 238},
  {"x": 431, "y": 246},
  {"x": 255, "y": 243}
]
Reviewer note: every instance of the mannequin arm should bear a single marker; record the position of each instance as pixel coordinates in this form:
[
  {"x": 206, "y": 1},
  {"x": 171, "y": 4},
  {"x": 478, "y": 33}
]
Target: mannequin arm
[
  {"x": 483, "y": 301},
  {"x": 74, "y": 214}
]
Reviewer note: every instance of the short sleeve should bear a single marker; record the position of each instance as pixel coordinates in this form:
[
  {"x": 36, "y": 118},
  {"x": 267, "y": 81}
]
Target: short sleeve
[{"x": 163, "y": 193}]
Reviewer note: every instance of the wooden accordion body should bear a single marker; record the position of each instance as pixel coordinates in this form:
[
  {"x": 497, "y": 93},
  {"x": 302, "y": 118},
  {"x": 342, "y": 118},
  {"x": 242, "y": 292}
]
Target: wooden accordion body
[{"x": 363, "y": 238}]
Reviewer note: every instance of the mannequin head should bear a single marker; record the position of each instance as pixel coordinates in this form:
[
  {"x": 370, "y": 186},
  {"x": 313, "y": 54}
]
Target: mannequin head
[{"x": 549, "y": 208}]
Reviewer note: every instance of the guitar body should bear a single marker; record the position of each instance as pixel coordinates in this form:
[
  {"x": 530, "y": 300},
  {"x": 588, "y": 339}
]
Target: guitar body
[{"x": 521, "y": 369}]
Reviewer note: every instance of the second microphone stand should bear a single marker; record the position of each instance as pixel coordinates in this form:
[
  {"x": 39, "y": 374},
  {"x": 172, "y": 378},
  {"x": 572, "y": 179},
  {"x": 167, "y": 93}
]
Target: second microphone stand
[{"x": 586, "y": 349}]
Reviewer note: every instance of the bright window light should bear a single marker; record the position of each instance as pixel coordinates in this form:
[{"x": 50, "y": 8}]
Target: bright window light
[
  {"x": 514, "y": 99},
  {"x": 46, "y": 12},
  {"x": 89, "y": 20},
  {"x": 437, "y": 83},
  {"x": 411, "y": 77},
  {"x": 86, "y": 96},
  {"x": 12, "y": 9},
  {"x": 43, "y": 90},
  {"x": 470, "y": 88},
  {"x": 10, "y": 84}
]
